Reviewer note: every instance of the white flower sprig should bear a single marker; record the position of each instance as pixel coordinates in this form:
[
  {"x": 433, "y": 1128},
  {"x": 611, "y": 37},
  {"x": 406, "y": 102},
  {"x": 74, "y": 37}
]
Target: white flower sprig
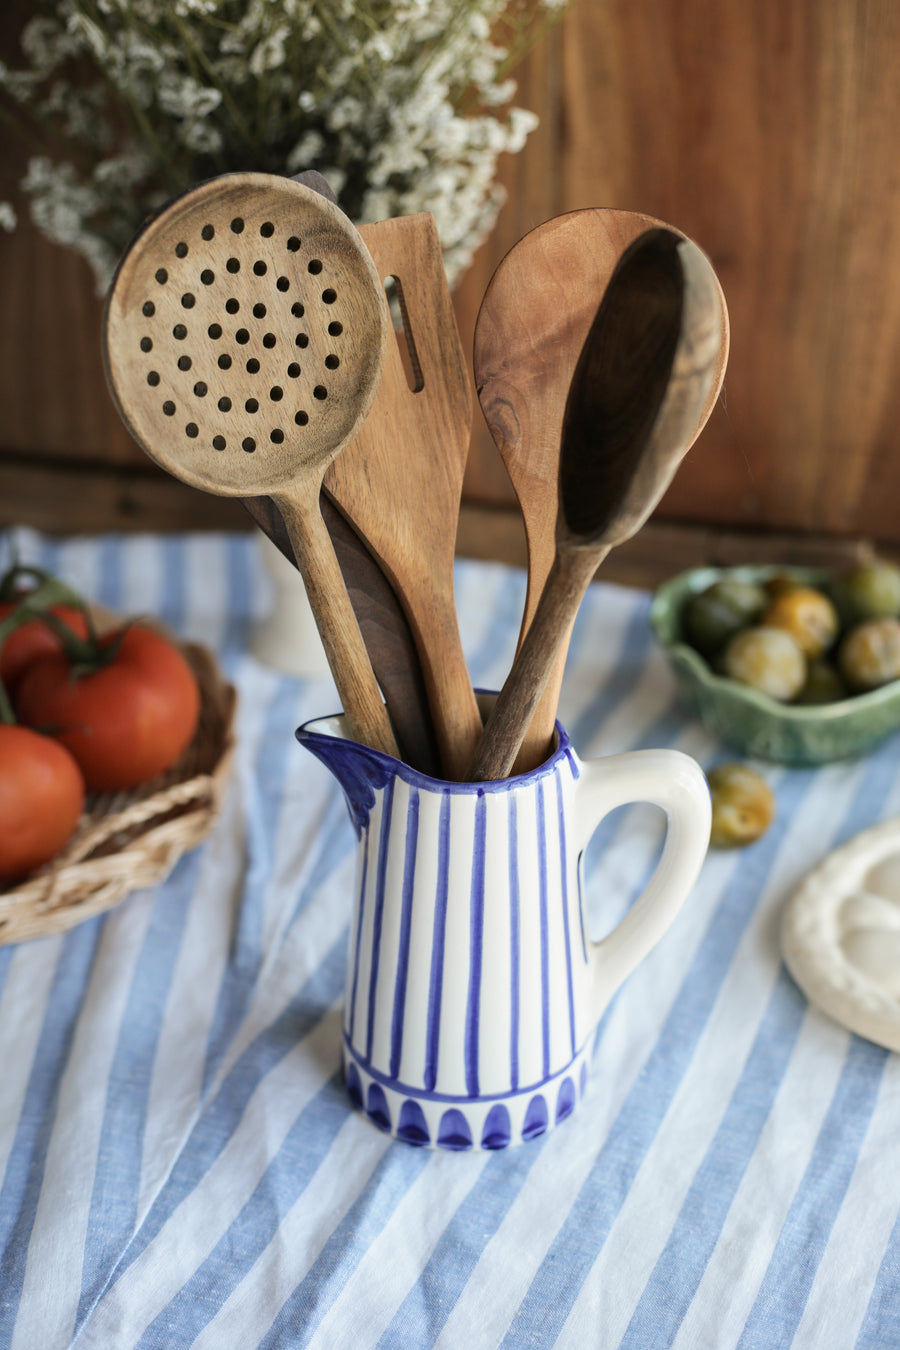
[{"x": 403, "y": 105}]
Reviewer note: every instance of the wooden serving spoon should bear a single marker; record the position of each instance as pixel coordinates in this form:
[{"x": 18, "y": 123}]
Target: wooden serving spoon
[
  {"x": 534, "y": 318},
  {"x": 399, "y": 483},
  {"x": 244, "y": 338},
  {"x": 645, "y": 383}
]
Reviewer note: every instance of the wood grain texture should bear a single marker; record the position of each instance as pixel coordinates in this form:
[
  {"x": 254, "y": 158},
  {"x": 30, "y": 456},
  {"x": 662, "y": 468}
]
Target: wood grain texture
[
  {"x": 765, "y": 132},
  {"x": 399, "y": 482}
]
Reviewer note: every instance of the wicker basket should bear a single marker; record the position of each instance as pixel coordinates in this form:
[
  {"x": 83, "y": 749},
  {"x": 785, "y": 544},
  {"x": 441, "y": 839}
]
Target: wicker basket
[{"x": 125, "y": 841}]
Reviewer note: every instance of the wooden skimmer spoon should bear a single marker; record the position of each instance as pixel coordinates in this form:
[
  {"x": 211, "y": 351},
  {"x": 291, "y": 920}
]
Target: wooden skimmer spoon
[
  {"x": 399, "y": 483},
  {"x": 532, "y": 324},
  {"x": 244, "y": 338},
  {"x": 646, "y": 380}
]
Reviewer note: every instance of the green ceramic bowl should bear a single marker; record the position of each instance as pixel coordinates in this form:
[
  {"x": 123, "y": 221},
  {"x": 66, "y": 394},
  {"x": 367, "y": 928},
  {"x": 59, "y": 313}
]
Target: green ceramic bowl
[{"x": 751, "y": 722}]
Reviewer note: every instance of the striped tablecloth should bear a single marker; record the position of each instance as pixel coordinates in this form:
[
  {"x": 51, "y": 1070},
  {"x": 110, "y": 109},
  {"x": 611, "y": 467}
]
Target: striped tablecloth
[{"x": 180, "y": 1165}]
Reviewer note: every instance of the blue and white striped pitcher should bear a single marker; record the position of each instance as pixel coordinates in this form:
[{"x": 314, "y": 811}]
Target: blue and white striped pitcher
[{"x": 473, "y": 988}]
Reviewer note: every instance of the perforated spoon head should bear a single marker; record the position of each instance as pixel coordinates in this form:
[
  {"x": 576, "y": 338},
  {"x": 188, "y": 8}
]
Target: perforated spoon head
[{"x": 244, "y": 335}]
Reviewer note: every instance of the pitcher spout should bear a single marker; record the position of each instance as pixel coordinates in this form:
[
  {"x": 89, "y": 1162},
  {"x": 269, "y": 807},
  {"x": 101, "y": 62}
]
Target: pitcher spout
[{"x": 360, "y": 770}]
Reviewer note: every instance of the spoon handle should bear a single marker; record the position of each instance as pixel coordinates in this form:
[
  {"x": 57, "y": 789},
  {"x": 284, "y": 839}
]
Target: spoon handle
[
  {"x": 339, "y": 630},
  {"x": 564, "y": 589}
]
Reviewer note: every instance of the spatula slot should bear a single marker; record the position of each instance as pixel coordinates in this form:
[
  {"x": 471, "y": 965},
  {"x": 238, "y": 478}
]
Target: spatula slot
[{"x": 406, "y": 342}]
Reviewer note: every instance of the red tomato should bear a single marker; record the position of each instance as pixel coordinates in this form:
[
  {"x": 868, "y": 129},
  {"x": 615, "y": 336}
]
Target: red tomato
[
  {"x": 41, "y": 798},
  {"x": 34, "y": 639},
  {"x": 125, "y": 722}
]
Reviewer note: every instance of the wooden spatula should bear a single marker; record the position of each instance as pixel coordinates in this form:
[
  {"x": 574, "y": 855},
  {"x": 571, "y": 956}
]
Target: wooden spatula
[{"x": 399, "y": 481}]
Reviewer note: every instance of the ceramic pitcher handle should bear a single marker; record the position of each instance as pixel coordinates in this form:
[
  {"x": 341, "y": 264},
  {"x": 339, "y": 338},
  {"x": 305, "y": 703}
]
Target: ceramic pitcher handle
[{"x": 675, "y": 782}]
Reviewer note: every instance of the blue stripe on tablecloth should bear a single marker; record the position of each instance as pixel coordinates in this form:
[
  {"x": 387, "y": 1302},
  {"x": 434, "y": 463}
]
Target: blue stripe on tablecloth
[
  {"x": 620, "y": 681},
  {"x": 285, "y": 1179},
  {"x": 782, "y": 1297},
  {"x": 507, "y": 594},
  {"x": 222, "y": 1115},
  {"x": 334, "y": 841},
  {"x": 241, "y": 567},
  {"x": 421, "y": 1316},
  {"x": 24, "y": 1175},
  {"x": 261, "y": 815},
  {"x": 6, "y": 955},
  {"x": 109, "y": 589},
  {"x": 173, "y": 598},
  {"x": 567, "y": 1263},
  {"x": 346, "y": 1246},
  {"x": 671, "y": 1287},
  {"x": 880, "y": 1328},
  {"x": 113, "y": 1206}
]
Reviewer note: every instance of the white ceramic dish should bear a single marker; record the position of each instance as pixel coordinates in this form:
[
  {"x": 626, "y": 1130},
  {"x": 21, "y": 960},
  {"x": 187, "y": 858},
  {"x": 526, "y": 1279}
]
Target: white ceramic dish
[{"x": 840, "y": 934}]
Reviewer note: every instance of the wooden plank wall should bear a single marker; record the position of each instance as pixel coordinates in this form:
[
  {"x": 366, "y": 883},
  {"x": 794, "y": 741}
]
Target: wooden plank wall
[{"x": 765, "y": 131}]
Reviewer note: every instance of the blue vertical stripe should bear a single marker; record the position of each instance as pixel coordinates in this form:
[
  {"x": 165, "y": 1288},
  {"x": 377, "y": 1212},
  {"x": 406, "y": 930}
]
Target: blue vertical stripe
[
  {"x": 476, "y": 947},
  {"x": 409, "y": 876},
  {"x": 6, "y": 955},
  {"x": 241, "y": 561},
  {"x": 110, "y": 591},
  {"x": 436, "y": 978},
  {"x": 365, "y": 840},
  {"x": 564, "y": 892},
  {"x": 515, "y": 919},
  {"x": 387, "y": 809},
  {"x": 545, "y": 927},
  {"x": 173, "y": 601}
]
